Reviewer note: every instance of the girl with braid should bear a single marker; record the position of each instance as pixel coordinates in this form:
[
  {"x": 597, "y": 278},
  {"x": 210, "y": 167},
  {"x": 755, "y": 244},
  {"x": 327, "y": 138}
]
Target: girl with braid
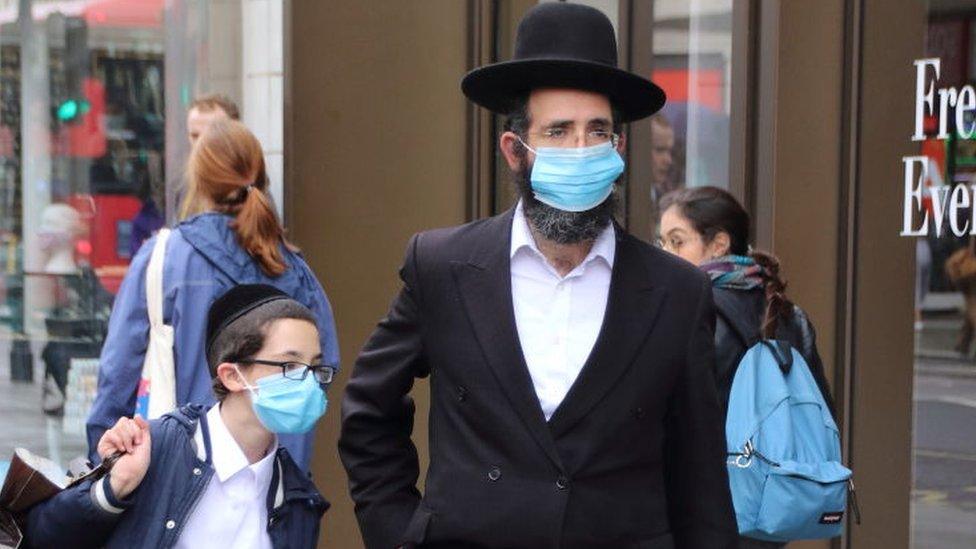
[{"x": 708, "y": 227}]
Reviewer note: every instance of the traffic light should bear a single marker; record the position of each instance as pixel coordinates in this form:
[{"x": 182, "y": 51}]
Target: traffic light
[{"x": 72, "y": 109}]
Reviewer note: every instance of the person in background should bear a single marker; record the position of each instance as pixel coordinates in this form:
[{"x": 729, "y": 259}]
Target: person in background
[
  {"x": 205, "y": 110},
  {"x": 662, "y": 157},
  {"x": 148, "y": 220},
  {"x": 229, "y": 235},
  {"x": 709, "y": 228},
  {"x": 217, "y": 477}
]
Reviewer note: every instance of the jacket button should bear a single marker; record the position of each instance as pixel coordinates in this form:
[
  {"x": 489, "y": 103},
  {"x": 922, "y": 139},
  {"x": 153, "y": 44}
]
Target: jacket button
[
  {"x": 562, "y": 483},
  {"x": 462, "y": 393},
  {"x": 494, "y": 474},
  {"x": 197, "y": 471},
  {"x": 639, "y": 413},
  {"x": 170, "y": 524}
]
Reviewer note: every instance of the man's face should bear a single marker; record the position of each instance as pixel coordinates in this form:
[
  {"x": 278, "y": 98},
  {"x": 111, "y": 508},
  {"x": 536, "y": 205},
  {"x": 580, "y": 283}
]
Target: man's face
[
  {"x": 198, "y": 121},
  {"x": 662, "y": 146},
  {"x": 560, "y": 117}
]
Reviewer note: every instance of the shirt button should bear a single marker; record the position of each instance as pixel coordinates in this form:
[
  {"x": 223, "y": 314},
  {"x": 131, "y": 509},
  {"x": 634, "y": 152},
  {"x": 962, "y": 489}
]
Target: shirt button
[
  {"x": 170, "y": 524},
  {"x": 562, "y": 483},
  {"x": 494, "y": 474},
  {"x": 197, "y": 471}
]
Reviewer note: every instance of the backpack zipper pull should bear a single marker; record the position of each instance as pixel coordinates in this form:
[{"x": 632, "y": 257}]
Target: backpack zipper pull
[{"x": 854, "y": 506}]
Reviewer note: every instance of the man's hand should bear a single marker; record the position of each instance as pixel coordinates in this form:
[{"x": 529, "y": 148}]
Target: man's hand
[{"x": 132, "y": 437}]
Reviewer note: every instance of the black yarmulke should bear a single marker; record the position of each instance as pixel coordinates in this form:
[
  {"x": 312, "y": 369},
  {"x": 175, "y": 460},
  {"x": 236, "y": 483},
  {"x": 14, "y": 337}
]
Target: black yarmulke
[{"x": 237, "y": 302}]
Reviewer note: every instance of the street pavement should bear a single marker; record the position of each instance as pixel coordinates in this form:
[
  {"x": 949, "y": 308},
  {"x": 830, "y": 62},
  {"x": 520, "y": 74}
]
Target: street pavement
[
  {"x": 944, "y": 451},
  {"x": 22, "y": 423}
]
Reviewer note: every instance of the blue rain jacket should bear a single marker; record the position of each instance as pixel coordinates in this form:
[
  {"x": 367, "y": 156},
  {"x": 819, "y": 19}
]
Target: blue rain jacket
[{"x": 203, "y": 260}]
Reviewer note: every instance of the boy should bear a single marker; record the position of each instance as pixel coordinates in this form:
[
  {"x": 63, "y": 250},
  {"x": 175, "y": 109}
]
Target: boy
[{"x": 217, "y": 478}]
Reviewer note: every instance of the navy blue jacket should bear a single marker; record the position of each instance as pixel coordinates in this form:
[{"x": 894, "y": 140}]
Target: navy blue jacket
[
  {"x": 89, "y": 515},
  {"x": 203, "y": 260}
]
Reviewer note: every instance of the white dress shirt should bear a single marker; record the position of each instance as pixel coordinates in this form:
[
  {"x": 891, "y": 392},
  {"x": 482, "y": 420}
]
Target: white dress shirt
[
  {"x": 233, "y": 509},
  {"x": 558, "y": 318}
]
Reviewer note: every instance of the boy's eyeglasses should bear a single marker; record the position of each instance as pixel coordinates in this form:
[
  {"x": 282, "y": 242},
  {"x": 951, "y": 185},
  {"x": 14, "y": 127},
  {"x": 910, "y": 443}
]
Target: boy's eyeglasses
[{"x": 298, "y": 370}]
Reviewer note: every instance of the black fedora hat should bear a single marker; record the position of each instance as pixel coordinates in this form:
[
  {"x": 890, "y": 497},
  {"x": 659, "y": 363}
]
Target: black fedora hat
[{"x": 563, "y": 45}]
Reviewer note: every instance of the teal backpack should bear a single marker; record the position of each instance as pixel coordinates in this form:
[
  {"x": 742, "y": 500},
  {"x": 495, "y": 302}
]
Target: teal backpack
[{"x": 784, "y": 456}]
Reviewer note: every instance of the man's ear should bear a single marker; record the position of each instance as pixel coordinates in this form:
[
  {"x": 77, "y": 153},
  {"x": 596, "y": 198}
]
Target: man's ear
[
  {"x": 622, "y": 144},
  {"x": 507, "y": 143},
  {"x": 229, "y": 377},
  {"x": 721, "y": 244}
]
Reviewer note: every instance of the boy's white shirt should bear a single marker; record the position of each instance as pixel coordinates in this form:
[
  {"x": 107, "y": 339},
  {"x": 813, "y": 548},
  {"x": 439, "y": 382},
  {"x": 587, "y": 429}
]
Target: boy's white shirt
[{"x": 232, "y": 511}]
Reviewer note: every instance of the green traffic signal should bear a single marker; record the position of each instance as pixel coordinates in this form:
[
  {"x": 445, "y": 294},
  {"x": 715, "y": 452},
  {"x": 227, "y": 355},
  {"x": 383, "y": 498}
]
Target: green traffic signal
[{"x": 70, "y": 109}]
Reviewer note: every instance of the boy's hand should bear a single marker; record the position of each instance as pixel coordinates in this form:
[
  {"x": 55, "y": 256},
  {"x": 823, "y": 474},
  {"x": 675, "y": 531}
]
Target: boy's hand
[{"x": 132, "y": 437}]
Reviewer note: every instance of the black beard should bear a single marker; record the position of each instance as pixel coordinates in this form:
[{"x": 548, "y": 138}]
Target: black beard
[{"x": 557, "y": 225}]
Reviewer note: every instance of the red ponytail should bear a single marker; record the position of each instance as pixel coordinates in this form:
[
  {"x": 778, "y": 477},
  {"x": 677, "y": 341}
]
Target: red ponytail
[{"x": 227, "y": 174}]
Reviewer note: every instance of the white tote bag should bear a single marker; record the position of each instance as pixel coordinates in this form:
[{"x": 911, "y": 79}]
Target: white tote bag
[{"x": 157, "y": 388}]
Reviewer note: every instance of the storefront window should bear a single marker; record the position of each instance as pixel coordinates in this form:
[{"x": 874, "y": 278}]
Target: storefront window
[
  {"x": 944, "y": 441},
  {"x": 93, "y": 103},
  {"x": 692, "y": 62}
]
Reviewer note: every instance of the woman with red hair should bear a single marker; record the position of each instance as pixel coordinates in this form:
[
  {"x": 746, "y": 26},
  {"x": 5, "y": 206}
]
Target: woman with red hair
[{"x": 229, "y": 235}]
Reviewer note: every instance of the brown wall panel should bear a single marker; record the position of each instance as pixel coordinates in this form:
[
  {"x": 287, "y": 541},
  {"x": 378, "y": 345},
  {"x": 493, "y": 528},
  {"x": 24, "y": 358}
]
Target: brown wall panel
[
  {"x": 377, "y": 139},
  {"x": 884, "y": 275},
  {"x": 808, "y": 158},
  {"x": 802, "y": 201}
]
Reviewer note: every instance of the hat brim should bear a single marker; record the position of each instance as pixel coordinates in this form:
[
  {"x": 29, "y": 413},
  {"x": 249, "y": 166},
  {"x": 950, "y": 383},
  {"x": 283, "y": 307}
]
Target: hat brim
[{"x": 499, "y": 86}]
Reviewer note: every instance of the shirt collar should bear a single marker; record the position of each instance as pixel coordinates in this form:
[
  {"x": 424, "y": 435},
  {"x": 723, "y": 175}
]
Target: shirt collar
[
  {"x": 228, "y": 458},
  {"x": 605, "y": 245}
]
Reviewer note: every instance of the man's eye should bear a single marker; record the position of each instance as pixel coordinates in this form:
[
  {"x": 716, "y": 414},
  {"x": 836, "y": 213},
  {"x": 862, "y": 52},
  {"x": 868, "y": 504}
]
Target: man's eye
[{"x": 555, "y": 132}]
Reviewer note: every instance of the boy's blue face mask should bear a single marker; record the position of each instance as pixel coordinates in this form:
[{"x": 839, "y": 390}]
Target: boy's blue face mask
[
  {"x": 287, "y": 406},
  {"x": 575, "y": 179}
]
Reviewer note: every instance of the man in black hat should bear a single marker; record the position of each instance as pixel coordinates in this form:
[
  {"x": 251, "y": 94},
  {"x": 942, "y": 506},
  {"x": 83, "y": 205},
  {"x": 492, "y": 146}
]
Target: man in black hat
[{"x": 572, "y": 402}]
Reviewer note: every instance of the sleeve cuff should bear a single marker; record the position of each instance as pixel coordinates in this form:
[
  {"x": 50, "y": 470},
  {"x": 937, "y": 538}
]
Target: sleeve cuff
[{"x": 105, "y": 499}]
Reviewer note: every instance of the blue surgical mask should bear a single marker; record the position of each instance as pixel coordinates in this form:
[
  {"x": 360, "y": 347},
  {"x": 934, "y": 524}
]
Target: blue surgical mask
[
  {"x": 575, "y": 179},
  {"x": 287, "y": 406}
]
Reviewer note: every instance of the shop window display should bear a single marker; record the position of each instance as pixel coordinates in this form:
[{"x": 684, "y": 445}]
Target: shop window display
[
  {"x": 86, "y": 93},
  {"x": 944, "y": 476}
]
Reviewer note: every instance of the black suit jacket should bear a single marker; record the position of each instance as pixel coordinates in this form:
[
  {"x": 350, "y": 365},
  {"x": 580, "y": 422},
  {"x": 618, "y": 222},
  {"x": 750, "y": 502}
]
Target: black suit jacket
[{"x": 633, "y": 457}]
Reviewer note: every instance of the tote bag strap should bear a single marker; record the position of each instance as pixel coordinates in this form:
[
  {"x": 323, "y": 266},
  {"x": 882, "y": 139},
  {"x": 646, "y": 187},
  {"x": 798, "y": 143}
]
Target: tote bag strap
[{"x": 154, "y": 279}]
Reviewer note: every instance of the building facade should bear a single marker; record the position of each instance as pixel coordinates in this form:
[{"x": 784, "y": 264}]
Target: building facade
[{"x": 805, "y": 111}]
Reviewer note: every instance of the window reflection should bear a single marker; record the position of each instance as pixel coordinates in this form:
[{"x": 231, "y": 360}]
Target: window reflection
[
  {"x": 692, "y": 63},
  {"x": 93, "y": 97}
]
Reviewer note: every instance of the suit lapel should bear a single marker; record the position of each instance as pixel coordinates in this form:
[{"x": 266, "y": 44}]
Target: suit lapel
[
  {"x": 485, "y": 285},
  {"x": 633, "y": 305}
]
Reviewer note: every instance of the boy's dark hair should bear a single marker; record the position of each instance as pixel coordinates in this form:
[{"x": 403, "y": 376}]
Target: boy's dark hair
[{"x": 243, "y": 337}]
